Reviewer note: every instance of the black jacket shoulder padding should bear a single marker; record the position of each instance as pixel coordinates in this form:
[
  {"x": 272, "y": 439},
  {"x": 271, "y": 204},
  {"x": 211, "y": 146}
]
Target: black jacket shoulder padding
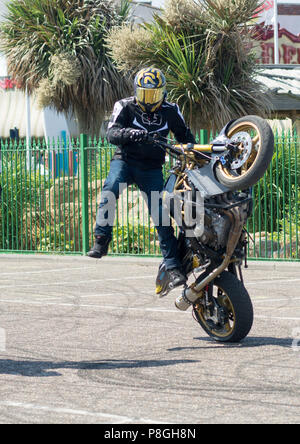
[{"x": 127, "y": 114}]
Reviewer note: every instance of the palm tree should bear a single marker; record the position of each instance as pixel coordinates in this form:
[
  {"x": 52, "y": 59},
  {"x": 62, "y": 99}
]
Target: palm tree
[
  {"x": 56, "y": 48},
  {"x": 203, "y": 48}
]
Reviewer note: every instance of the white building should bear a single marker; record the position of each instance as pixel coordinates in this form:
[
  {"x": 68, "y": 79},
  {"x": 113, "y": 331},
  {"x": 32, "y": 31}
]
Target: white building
[{"x": 142, "y": 11}]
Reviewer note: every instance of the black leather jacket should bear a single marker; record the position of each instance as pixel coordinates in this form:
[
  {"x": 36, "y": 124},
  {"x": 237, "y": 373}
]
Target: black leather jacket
[{"x": 127, "y": 114}]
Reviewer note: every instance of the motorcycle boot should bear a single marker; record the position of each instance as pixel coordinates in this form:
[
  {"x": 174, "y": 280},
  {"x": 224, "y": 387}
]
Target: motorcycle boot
[
  {"x": 100, "y": 247},
  {"x": 176, "y": 278}
]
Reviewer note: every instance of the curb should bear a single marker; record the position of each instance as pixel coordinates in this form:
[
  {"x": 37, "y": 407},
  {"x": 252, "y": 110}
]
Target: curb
[{"x": 252, "y": 264}]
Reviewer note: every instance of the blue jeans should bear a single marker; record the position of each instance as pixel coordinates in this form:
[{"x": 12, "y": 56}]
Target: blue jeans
[{"x": 148, "y": 181}]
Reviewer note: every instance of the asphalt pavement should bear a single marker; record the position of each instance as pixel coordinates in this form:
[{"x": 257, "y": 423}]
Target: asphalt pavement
[{"x": 88, "y": 341}]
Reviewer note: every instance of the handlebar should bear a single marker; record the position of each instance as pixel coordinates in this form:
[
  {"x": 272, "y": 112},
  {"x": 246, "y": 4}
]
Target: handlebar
[{"x": 186, "y": 149}]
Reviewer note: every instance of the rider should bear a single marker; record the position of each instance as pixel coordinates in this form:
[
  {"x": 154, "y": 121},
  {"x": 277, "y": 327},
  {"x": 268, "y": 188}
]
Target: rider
[{"x": 137, "y": 160}]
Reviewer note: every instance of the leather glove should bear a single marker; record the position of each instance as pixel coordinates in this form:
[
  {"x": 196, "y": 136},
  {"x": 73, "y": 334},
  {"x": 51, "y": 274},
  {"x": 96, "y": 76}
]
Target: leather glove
[{"x": 134, "y": 135}]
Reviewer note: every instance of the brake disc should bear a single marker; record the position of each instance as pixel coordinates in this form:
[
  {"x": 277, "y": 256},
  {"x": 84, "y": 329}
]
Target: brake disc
[{"x": 243, "y": 140}]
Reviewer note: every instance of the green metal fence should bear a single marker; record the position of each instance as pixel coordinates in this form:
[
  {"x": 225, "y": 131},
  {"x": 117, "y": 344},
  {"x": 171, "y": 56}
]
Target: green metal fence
[
  {"x": 274, "y": 228},
  {"x": 50, "y": 194}
]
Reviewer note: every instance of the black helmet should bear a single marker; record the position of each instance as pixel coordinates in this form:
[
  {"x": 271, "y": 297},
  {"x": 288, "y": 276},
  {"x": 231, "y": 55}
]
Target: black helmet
[{"x": 150, "y": 89}]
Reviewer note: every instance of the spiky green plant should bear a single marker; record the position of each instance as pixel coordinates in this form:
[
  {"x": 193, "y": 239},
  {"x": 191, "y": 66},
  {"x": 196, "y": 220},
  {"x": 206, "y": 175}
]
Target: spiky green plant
[
  {"x": 60, "y": 44},
  {"x": 203, "y": 48}
]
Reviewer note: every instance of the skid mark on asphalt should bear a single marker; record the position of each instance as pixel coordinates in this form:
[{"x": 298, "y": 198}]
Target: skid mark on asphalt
[
  {"x": 74, "y": 282},
  {"x": 113, "y": 307},
  {"x": 67, "y": 411}
]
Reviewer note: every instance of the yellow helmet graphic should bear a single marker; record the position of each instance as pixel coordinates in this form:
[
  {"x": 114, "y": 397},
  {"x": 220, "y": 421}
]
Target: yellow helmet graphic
[{"x": 150, "y": 89}]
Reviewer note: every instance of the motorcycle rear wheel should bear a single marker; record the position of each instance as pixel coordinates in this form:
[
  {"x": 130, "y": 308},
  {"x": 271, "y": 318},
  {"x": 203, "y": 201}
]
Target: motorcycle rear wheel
[
  {"x": 256, "y": 146},
  {"x": 232, "y": 316}
]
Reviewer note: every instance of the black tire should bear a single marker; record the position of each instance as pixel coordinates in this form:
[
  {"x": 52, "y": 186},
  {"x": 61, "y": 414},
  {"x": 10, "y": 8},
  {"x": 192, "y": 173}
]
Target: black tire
[
  {"x": 255, "y": 161},
  {"x": 238, "y": 307}
]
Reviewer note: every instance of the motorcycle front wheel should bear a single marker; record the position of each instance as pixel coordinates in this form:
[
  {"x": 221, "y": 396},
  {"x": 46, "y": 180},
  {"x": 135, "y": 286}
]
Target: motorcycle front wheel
[
  {"x": 254, "y": 140},
  {"x": 227, "y": 314}
]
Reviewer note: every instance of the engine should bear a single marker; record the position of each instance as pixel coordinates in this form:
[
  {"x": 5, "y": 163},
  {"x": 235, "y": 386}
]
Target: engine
[{"x": 215, "y": 230}]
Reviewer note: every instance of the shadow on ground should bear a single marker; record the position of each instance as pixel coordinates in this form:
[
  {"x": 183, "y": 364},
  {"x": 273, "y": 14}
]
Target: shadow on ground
[{"x": 48, "y": 368}]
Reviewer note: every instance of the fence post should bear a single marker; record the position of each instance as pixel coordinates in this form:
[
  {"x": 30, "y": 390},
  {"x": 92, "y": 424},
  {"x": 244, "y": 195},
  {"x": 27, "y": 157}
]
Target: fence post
[
  {"x": 203, "y": 137},
  {"x": 84, "y": 193}
]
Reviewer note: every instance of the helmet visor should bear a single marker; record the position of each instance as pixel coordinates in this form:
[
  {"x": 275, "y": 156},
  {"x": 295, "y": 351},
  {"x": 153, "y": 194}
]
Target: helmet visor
[{"x": 150, "y": 96}]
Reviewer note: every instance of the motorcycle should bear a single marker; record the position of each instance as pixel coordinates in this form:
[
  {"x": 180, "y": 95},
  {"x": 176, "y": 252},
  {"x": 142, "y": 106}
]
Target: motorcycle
[{"x": 212, "y": 243}]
